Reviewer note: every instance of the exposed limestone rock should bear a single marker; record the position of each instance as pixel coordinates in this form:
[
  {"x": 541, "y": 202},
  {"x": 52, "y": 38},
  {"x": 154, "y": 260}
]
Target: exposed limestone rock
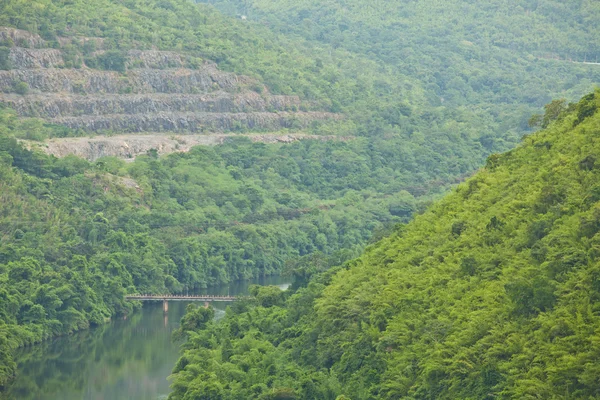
[
  {"x": 56, "y": 106},
  {"x": 154, "y": 59},
  {"x": 87, "y": 81},
  {"x": 206, "y": 79},
  {"x": 21, "y": 38},
  {"x": 284, "y": 102},
  {"x": 192, "y": 122},
  {"x": 130, "y": 146},
  {"x": 22, "y": 58},
  {"x": 63, "y": 80},
  {"x": 160, "y": 91}
]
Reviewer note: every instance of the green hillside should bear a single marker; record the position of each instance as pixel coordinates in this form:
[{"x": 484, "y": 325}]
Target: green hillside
[
  {"x": 415, "y": 111},
  {"x": 78, "y": 236},
  {"x": 496, "y": 24},
  {"x": 499, "y": 59},
  {"x": 492, "y": 293},
  {"x": 446, "y": 91}
]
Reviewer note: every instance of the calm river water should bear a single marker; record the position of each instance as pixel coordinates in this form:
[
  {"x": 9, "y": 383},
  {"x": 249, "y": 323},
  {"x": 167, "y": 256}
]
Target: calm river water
[{"x": 128, "y": 359}]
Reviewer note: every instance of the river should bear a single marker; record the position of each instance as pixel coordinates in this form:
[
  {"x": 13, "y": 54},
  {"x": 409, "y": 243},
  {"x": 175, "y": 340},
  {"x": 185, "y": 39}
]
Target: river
[{"x": 127, "y": 359}]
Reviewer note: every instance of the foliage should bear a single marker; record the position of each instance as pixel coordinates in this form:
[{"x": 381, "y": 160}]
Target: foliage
[
  {"x": 112, "y": 60},
  {"x": 553, "y": 111},
  {"x": 457, "y": 92},
  {"x": 5, "y": 63},
  {"x": 22, "y": 88},
  {"x": 491, "y": 293},
  {"x": 78, "y": 236},
  {"x": 430, "y": 88},
  {"x": 494, "y": 24},
  {"x": 480, "y": 54}
]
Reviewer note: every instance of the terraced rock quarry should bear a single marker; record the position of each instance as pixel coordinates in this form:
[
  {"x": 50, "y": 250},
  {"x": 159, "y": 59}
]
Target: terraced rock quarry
[{"x": 138, "y": 90}]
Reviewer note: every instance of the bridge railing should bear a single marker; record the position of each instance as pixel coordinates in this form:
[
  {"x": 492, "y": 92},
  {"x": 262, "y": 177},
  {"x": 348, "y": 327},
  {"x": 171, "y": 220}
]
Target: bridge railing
[{"x": 184, "y": 297}]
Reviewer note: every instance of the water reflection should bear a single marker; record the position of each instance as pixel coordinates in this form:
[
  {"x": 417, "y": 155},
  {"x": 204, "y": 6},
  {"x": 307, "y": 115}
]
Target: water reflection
[{"x": 127, "y": 359}]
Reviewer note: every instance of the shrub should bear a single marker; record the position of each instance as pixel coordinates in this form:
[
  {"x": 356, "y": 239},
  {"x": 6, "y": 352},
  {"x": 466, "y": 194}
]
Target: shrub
[
  {"x": 22, "y": 88},
  {"x": 4, "y": 58}
]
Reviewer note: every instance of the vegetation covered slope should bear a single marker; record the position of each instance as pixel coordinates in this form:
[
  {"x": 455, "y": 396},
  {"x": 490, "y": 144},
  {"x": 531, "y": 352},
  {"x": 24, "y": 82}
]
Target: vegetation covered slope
[
  {"x": 77, "y": 236},
  {"x": 87, "y": 85},
  {"x": 489, "y": 55},
  {"x": 388, "y": 105},
  {"x": 434, "y": 90},
  {"x": 495, "y": 23},
  {"x": 494, "y": 292}
]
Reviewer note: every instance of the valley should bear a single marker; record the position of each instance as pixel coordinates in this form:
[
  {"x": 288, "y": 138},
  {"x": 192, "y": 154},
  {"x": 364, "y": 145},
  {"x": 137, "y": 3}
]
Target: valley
[{"x": 422, "y": 174}]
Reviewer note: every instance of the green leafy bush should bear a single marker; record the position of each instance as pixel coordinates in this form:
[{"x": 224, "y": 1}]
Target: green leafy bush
[{"x": 21, "y": 88}]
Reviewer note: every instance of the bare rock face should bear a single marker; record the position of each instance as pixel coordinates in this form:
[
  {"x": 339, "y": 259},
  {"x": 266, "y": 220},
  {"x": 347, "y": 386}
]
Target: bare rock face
[
  {"x": 44, "y": 106},
  {"x": 130, "y": 146},
  {"x": 161, "y": 91},
  {"x": 88, "y": 81},
  {"x": 21, "y": 58},
  {"x": 206, "y": 79},
  {"x": 63, "y": 81},
  {"x": 191, "y": 122},
  {"x": 284, "y": 102},
  {"x": 154, "y": 59},
  {"x": 21, "y": 38}
]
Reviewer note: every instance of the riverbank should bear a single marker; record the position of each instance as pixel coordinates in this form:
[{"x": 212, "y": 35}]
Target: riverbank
[{"x": 128, "y": 358}]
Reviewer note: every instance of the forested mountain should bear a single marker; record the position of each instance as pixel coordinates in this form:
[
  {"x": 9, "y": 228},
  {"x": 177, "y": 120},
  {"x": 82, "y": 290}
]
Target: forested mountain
[
  {"x": 485, "y": 54},
  {"x": 415, "y": 110},
  {"x": 492, "y": 293},
  {"x": 456, "y": 86},
  {"x": 78, "y": 236},
  {"x": 86, "y": 85},
  {"x": 387, "y": 29}
]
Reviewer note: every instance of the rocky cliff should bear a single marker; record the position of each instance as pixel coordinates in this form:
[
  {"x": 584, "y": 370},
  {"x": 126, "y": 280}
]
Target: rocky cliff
[{"x": 150, "y": 91}]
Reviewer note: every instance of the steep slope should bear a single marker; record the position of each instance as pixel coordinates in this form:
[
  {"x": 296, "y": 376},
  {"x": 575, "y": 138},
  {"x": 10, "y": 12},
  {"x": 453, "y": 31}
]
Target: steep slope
[
  {"x": 77, "y": 236},
  {"x": 493, "y": 23},
  {"x": 150, "y": 91},
  {"x": 492, "y": 293},
  {"x": 131, "y": 66},
  {"x": 379, "y": 100},
  {"x": 482, "y": 53}
]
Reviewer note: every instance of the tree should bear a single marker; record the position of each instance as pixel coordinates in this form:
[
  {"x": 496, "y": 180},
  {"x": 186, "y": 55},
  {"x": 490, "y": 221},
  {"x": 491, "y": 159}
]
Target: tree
[
  {"x": 206, "y": 389},
  {"x": 112, "y": 60},
  {"x": 5, "y": 63},
  {"x": 195, "y": 318},
  {"x": 553, "y": 111},
  {"x": 267, "y": 296}
]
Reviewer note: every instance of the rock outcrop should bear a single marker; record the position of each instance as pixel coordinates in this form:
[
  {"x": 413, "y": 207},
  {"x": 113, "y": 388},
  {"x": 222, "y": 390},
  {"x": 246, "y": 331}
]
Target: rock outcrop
[
  {"x": 21, "y": 38},
  {"x": 160, "y": 91},
  {"x": 22, "y": 58},
  {"x": 130, "y": 146},
  {"x": 63, "y": 106},
  {"x": 190, "y": 121}
]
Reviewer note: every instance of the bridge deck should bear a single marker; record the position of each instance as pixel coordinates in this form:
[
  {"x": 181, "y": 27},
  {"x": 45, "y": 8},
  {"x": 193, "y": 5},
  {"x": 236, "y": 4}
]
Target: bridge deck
[{"x": 168, "y": 297}]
